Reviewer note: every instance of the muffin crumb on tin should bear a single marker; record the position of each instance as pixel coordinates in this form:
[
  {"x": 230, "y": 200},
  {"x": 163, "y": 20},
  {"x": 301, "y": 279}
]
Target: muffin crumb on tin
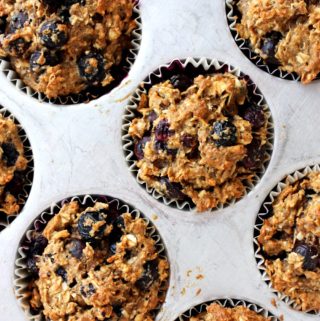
[
  {"x": 95, "y": 262},
  {"x": 199, "y": 139},
  {"x": 12, "y": 166},
  {"x": 290, "y": 242},
  {"x": 63, "y": 48},
  {"x": 284, "y": 33}
]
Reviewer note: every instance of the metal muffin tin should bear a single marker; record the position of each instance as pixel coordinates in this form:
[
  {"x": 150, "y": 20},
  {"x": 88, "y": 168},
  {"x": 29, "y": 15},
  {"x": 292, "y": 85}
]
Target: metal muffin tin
[{"x": 77, "y": 150}]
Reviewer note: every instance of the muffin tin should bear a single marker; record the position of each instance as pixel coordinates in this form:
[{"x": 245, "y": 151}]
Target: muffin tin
[{"x": 78, "y": 150}]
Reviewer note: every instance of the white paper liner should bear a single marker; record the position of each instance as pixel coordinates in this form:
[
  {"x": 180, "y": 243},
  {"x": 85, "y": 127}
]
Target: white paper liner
[
  {"x": 22, "y": 197},
  {"x": 227, "y": 303},
  {"x": 249, "y": 53},
  {"x": 21, "y": 275},
  {"x": 130, "y": 113},
  {"x": 14, "y": 78},
  {"x": 263, "y": 214}
]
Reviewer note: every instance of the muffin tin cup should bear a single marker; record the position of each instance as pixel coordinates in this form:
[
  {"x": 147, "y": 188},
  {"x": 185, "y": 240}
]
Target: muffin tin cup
[
  {"x": 164, "y": 72},
  {"x": 25, "y": 190},
  {"x": 21, "y": 275},
  {"x": 227, "y": 303},
  {"x": 85, "y": 96},
  {"x": 264, "y": 213},
  {"x": 243, "y": 45}
]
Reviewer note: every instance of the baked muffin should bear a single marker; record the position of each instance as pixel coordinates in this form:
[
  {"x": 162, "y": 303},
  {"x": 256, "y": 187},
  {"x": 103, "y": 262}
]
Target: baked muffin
[
  {"x": 60, "y": 47},
  {"x": 199, "y": 139},
  {"x": 290, "y": 240},
  {"x": 285, "y": 33},
  {"x": 12, "y": 166},
  {"x": 95, "y": 263},
  {"x": 217, "y": 312}
]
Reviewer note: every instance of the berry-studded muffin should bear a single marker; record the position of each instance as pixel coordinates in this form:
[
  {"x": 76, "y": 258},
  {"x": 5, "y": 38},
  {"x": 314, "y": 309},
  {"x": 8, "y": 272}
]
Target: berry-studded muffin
[
  {"x": 290, "y": 240},
  {"x": 217, "y": 312},
  {"x": 61, "y": 48},
  {"x": 12, "y": 166},
  {"x": 95, "y": 263},
  {"x": 285, "y": 33},
  {"x": 199, "y": 139}
]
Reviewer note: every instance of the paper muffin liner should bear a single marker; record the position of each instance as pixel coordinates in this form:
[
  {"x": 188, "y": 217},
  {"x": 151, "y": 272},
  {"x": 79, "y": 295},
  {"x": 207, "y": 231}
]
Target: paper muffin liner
[
  {"x": 227, "y": 303},
  {"x": 264, "y": 213},
  {"x": 84, "y": 97},
  {"x": 244, "y": 46},
  {"x": 21, "y": 275},
  {"x": 23, "y": 192},
  {"x": 196, "y": 66}
]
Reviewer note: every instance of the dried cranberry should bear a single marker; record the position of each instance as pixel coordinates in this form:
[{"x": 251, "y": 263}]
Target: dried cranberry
[
  {"x": 255, "y": 155},
  {"x": 255, "y": 116}
]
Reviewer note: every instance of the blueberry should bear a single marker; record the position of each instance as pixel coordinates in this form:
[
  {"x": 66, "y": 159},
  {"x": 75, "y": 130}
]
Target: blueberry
[
  {"x": 173, "y": 190},
  {"x": 39, "y": 59},
  {"x": 150, "y": 274},
  {"x": 139, "y": 147},
  {"x": 86, "y": 226},
  {"x": 36, "y": 248},
  {"x": 91, "y": 67},
  {"x": 87, "y": 290},
  {"x": 3, "y": 24},
  {"x": 152, "y": 117},
  {"x": 269, "y": 46},
  {"x": 310, "y": 254},
  {"x": 17, "y": 21},
  {"x": 224, "y": 133},
  {"x": 117, "y": 230},
  {"x": 162, "y": 131},
  {"x": 10, "y": 154},
  {"x": 113, "y": 248},
  {"x": 255, "y": 116},
  {"x": 52, "y": 34},
  {"x": 181, "y": 82},
  {"x": 72, "y": 2},
  {"x": 18, "y": 47},
  {"x": 255, "y": 155},
  {"x": 76, "y": 248},
  {"x": 63, "y": 273}
]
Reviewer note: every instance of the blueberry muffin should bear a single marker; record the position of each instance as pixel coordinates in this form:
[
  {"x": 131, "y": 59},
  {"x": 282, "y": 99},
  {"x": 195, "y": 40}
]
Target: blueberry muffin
[
  {"x": 12, "y": 166},
  {"x": 60, "y": 47},
  {"x": 199, "y": 139},
  {"x": 285, "y": 33},
  {"x": 95, "y": 263},
  {"x": 290, "y": 240},
  {"x": 217, "y": 312}
]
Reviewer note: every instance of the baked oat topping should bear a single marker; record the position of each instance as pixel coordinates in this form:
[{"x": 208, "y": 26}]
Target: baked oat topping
[
  {"x": 216, "y": 312},
  {"x": 290, "y": 240},
  {"x": 284, "y": 33},
  {"x": 91, "y": 263},
  {"x": 200, "y": 139},
  {"x": 61, "y": 48},
  {"x": 12, "y": 165}
]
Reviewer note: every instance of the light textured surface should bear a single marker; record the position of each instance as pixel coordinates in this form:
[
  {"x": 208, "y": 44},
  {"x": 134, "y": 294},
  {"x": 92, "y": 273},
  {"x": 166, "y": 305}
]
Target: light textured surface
[{"x": 77, "y": 150}]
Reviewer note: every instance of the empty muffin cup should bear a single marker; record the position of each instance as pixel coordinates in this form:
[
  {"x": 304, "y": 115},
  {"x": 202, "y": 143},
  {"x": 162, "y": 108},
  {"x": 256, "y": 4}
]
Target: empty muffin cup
[
  {"x": 181, "y": 123},
  {"x": 287, "y": 248},
  {"x": 221, "y": 307},
  {"x": 91, "y": 257},
  {"x": 17, "y": 168},
  {"x": 58, "y": 68}
]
